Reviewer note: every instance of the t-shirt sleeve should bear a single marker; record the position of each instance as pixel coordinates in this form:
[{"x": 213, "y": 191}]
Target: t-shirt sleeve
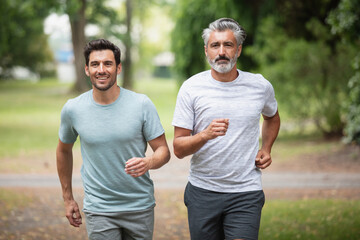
[
  {"x": 270, "y": 106},
  {"x": 152, "y": 127},
  {"x": 184, "y": 112},
  {"x": 67, "y": 134}
]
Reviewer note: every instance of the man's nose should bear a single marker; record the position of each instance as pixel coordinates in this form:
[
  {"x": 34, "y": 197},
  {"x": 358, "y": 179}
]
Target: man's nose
[
  {"x": 101, "y": 67},
  {"x": 222, "y": 50}
]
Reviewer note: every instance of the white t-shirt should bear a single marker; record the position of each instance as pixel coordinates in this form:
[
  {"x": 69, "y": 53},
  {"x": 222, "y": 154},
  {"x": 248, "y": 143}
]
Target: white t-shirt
[{"x": 226, "y": 163}]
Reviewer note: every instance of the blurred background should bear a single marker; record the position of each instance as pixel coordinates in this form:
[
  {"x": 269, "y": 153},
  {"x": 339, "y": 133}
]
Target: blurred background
[{"x": 309, "y": 51}]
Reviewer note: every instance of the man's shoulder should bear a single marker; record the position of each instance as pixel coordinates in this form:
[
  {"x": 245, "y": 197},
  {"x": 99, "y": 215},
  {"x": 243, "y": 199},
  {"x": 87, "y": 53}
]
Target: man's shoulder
[
  {"x": 77, "y": 101},
  {"x": 255, "y": 78},
  {"x": 197, "y": 79},
  {"x": 133, "y": 96}
]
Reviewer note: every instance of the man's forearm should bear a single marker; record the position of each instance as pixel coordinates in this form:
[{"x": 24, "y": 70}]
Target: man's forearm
[
  {"x": 160, "y": 157},
  {"x": 64, "y": 161},
  {"x": 187, "y": 145},
  {"x": 270, "y": 130}
]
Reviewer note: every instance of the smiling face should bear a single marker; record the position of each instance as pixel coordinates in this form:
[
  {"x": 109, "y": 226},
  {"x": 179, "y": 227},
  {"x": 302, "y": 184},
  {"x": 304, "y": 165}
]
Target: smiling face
[
  {"x": 222, "y": 51},
  {"x": 102, "y": 69}
]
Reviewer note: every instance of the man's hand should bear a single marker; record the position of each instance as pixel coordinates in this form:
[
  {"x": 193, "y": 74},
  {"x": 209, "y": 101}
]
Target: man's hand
[
  {"x": 263, "y": 159},
  {"x": 73, "y": 213},
  {"x": 136, "y": 167},
  {"x": 218, "y": 127}
]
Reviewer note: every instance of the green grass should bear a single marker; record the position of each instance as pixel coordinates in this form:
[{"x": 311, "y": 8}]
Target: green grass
[
  {"x": 285, "y": 150},
  {"x": 30, "y": 116},
  {"x": 30, "y": 112},
  {"x": 163, "y": 93},
  {"x": 310, "y": 220}
]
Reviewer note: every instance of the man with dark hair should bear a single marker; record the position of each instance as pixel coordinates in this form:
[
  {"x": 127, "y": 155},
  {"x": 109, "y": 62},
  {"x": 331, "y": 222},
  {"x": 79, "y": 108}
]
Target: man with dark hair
[
  {"x": 216, "y": 119},
  {"x": 114, "y": 126}
]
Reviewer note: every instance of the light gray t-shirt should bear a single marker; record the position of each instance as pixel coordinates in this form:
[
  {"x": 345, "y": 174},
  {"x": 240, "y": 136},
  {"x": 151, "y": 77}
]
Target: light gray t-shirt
[
  {"x": 226, "y": 163},
  {"x": 109, "y": 136}
]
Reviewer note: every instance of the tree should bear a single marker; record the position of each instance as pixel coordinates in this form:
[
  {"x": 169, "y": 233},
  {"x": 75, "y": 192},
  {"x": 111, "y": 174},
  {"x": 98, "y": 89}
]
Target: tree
[
  {"x": 76, "y": 12},
  {"x": 22, "y": 38},
  {"x": 82, "y": 12},
  {"x": 345, "y": 22},
  {"x": 122, "y": 26},
  {"x": 128, "y": 83}
]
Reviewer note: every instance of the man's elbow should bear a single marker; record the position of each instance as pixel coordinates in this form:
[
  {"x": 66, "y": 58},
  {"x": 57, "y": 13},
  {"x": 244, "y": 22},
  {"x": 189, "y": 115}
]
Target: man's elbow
[
  {"x": 168, "y": 156},
  {"x": 178, "y": 153}
]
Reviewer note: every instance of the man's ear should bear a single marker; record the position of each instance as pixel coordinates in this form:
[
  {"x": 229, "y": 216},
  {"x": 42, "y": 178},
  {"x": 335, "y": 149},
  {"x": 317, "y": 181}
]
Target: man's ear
[
  {"x": 87, "y": 71},
  {"x": 119, "y": 67},
  {"x": 205, "y": 49},
  {"x": 239, "y": 50}
]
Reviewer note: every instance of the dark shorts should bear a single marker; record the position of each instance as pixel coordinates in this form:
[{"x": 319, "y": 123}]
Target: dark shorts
[{"x": 218, "y": 216}]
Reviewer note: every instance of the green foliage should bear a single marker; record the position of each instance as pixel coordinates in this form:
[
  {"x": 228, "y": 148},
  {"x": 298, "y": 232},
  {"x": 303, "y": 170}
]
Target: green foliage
[
  {"x": 345, "y": 21},
  {"x": 295, "y": 14},
  {"x": 310, "y": 77},
  {"x": 352, "y": 129},
  {"x": 22, "y": 40},
  {"x": 311, "y": 220}
]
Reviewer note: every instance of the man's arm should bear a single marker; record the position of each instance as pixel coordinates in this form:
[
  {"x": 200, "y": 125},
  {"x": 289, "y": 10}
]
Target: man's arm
[
  {"x": 64, "y": 161},
  {"x": 139, "y": 166},
  {"x": 186, "y": 144},
  {"x": 270, "y": 130}
]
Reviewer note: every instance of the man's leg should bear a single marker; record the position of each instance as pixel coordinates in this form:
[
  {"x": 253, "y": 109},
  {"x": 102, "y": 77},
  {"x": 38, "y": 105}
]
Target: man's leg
[
  {"x": 138, "y": 225},
  {"x": 101, "y": 227},
  {"x": 243, "y": 214},
  {"x": 204, "y": 213}
]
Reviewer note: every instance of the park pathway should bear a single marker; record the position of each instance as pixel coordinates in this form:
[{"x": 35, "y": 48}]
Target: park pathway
[{"x": 174, "y": 176}]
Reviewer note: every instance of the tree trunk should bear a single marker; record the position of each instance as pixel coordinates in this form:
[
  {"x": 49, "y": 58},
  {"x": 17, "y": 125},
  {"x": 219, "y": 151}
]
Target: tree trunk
[
  {"x": 127, "y": 66},
  {"x": 77, "y": 22}
]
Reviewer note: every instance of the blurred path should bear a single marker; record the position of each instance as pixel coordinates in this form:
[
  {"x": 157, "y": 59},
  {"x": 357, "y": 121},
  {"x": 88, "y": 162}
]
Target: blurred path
[
  {"x": 174, "y": 176},
  {"x": 168, "y": 180}
]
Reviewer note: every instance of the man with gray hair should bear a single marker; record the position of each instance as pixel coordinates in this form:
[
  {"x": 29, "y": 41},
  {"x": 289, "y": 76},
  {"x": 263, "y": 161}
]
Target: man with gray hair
[{"x": 216, "y": 119}]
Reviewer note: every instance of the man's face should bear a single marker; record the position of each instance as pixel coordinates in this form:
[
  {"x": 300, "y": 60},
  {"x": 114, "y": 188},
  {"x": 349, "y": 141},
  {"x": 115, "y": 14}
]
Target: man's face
[
  {"x": 222, "y": 51},
  {"x": 102, "y": 69}
]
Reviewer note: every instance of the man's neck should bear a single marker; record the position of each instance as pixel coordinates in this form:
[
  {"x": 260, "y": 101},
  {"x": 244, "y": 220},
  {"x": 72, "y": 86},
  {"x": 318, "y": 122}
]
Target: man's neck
[
  {"x": 106, "y": 97},
  {"x": 225, "y": 77}
]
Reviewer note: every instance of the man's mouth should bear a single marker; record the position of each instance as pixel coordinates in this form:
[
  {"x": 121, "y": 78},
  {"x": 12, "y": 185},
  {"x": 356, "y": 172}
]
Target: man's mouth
[
  {"x": 222, "y": 59},
  {"x": 102, "y": 78}
]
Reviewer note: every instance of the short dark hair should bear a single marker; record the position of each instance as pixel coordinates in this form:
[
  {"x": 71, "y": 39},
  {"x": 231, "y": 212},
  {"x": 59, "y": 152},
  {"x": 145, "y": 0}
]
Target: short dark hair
[{"x": 101, "y": 44}]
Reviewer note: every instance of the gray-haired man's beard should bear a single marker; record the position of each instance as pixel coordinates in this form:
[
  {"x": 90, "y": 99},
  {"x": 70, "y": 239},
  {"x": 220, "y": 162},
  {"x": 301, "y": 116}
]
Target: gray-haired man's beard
[{"x": 222, "y": 67}]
